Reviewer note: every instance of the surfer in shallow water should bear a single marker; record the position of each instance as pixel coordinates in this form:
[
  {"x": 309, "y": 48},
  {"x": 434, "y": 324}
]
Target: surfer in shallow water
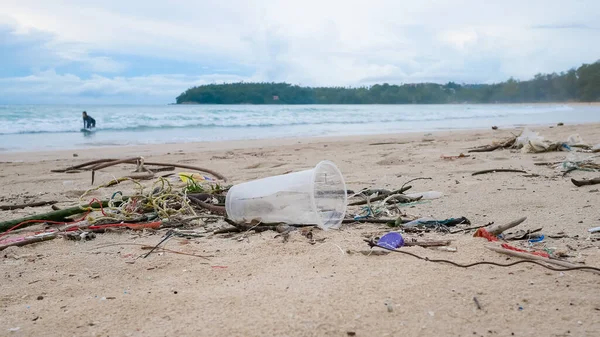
[{"x": 88, "y": 121}]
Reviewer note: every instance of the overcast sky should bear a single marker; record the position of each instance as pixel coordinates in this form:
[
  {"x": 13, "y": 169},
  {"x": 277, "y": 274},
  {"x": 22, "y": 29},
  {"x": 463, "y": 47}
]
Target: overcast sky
[{"x": 134, "y": 51}]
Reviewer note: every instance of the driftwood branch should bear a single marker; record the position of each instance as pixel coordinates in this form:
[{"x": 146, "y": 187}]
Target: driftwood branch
[
  {"x": 136, "y": 160},
  {"x": 82, "y": 166},
  {"x": 427, "y": 243},
  {"x": 488, "y": 148},
  {"x": 212, "y": 208},
  {"x": 497, "y": 229},
  {"x": 406, "y": 183},
  {"x": 497, "y": 170},
  {"x": 33, "y": 204},
  {"x": 580, "y": 183}
]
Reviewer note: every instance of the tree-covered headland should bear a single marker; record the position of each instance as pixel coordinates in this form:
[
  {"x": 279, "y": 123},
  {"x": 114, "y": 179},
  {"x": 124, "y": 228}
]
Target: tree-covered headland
[{"x": 576, "y": 85}]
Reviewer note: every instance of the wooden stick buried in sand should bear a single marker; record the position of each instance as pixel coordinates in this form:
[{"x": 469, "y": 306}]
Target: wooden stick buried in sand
[
  {"x": 580, "y": 183},
  {"x": 497, "y": 170}
]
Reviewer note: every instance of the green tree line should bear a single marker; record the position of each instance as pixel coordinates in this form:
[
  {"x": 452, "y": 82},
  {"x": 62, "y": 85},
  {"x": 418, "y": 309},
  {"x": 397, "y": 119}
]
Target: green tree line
[{"x": 581, "y": 84}]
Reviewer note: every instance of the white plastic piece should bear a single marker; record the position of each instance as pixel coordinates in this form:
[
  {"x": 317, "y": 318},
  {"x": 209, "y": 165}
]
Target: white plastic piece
[
  {"x": 429, "y": 195},
  {"x": 528, "y": 136},
  {"x": 575, "y": 139}
]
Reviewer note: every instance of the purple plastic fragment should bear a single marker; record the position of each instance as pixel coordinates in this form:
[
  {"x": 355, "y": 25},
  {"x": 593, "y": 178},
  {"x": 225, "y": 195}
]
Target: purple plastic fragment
[{"x": 391, "y": 240}]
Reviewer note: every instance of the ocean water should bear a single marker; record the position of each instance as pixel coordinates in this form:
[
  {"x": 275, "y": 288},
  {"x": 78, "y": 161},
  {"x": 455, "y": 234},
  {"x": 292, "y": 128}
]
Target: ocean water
[{"x": 51, "y": 127}]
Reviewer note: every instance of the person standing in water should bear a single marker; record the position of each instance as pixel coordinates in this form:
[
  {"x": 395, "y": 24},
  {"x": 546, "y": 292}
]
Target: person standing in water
[{"x": 88, "y": 121}]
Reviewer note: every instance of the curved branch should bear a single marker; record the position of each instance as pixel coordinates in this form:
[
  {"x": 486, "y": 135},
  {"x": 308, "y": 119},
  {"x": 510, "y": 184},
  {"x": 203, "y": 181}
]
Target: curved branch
[
  {"x": 497, "y": 170},
  {"x": 135, "y": 161}
]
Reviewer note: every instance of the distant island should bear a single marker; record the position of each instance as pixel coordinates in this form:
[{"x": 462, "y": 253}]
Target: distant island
[{"x": 576, "y": 85}]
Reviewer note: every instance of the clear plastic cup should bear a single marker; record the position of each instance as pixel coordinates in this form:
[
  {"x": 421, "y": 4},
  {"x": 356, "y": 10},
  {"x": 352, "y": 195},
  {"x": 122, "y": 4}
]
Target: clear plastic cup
[{"x": 317, "y": 196}]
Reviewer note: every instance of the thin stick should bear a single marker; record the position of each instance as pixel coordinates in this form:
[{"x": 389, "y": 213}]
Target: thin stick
[
  {"x": 468, "y": 229},
  {"x": 114, "y": 162},
  {"x": 81, "y": 166},
  {"x": 487, "y": 148},
  {"x": 535, "y": 257},
  {"x": 480, "y": 263},
  {"x": 214, "y": 209},
  {"x": 548, "y": 163},
  {"x": 420, "y": 178},
  {"x": 497, "y": 229},
  {"x": 135, "y": 161},
  {"x": 428, "y": 243},
  {"x": 33, "y": 204},
  {"x": 160, "y": 249},
  {"x": 569, "y": 170},
  {"x": 28, "y": 240},
  {"x": 380, "y": 197},
  {"x": 477, "y": 303},
  {"x": 168, "y": 236},
  {"x": 497, "y": 170}
]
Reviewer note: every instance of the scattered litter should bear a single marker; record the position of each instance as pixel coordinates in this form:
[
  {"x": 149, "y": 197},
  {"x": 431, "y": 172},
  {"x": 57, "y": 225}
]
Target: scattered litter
[
  {"x": 594, "y": 230},
  {"x": 532, "y": 142},
  {"x": 14, "y": 329}
]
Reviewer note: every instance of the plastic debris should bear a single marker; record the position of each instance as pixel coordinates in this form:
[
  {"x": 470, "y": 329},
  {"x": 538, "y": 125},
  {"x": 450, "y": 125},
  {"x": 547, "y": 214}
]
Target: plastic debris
[
  {"x": 575, "y": 140},
  {"x": 429, "y": 195},
  {"x": 391, "y": 240},
  {"x": 193, "y": 177},
  {"x": 539, "y": 238},
  {"x": 527, "y": 137},
  {"x": 483, "y": 233}
]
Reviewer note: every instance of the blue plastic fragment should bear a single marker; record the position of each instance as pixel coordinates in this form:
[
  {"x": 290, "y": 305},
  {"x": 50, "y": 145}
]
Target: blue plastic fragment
[
  {"x": 538, "y": 239},
  {"x": 391, "y": 240}
]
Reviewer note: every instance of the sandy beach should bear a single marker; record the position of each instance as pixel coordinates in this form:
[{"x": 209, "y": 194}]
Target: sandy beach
[{"x": 258, "y": 285}]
